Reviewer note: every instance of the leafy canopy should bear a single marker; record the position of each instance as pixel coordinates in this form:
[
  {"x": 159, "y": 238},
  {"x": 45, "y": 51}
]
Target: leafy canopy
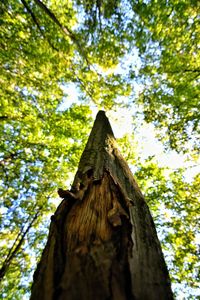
[{"x": 47, "y": 46}]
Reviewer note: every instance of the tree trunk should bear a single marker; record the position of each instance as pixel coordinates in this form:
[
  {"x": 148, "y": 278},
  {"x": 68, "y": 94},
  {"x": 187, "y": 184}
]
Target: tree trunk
[{"x": 102, "y": 241}]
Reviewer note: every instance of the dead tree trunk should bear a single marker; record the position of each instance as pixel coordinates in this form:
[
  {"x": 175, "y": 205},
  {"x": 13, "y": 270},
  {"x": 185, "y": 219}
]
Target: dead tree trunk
[{"x": 102, "y": 241}]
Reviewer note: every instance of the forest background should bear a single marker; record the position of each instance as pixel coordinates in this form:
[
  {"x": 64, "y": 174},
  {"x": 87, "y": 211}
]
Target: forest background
[{"x": 62, "y": 61}]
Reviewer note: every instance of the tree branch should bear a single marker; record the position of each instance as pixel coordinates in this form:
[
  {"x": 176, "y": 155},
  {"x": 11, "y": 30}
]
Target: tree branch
[
  {"x": 64, "y": 29},
  {"x": 15, "y": 247},
  {"x": 37, "y": 23}
]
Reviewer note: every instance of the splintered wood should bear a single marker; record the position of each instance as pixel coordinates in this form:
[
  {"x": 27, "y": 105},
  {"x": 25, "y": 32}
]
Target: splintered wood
[
  {"x": 97, "y": 243},
  {"x": 92, "y": 220}
]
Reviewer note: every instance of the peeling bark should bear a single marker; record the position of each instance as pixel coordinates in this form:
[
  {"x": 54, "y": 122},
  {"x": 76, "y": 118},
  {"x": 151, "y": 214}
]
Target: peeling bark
[{"x": 102, "y": 241}]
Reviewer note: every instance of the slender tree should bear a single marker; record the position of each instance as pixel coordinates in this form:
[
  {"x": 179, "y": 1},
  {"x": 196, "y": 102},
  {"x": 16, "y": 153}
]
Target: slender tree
[{"x": 102, "y": 241}]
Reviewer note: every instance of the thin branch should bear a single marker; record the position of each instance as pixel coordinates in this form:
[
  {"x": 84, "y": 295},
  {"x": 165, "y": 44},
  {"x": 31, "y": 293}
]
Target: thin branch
[
  {"x": 14, "y": 249},
  {"x": 37, "y": 23},
  {"x": 13, "y": 246},
  {"x": 64, "y": 29},
  {"x": 185, "y": 71},
  {"x": 193, "y": 71},
  {"x": 98, "y": 5}
]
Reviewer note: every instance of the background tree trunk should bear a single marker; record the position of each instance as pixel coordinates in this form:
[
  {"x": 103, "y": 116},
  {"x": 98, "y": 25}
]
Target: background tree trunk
[{"x": 102, "y": 241}]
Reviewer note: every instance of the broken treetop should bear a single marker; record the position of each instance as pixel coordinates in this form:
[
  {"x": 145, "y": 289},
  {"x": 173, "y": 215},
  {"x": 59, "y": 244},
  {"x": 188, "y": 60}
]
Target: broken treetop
[
  {"x": 101, "y": 154},
  {"x": 98, "y": 147}
]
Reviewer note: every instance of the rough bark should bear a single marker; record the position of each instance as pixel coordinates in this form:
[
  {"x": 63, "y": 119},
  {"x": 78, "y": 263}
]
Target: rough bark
[{"x": 102, "y": 241}]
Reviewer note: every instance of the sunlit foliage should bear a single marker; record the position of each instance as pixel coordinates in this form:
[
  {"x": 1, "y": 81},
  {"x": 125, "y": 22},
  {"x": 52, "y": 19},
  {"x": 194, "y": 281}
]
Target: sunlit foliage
[
  {"x": 48, "y": 45},
  {"x": 174, "y": 204}
]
